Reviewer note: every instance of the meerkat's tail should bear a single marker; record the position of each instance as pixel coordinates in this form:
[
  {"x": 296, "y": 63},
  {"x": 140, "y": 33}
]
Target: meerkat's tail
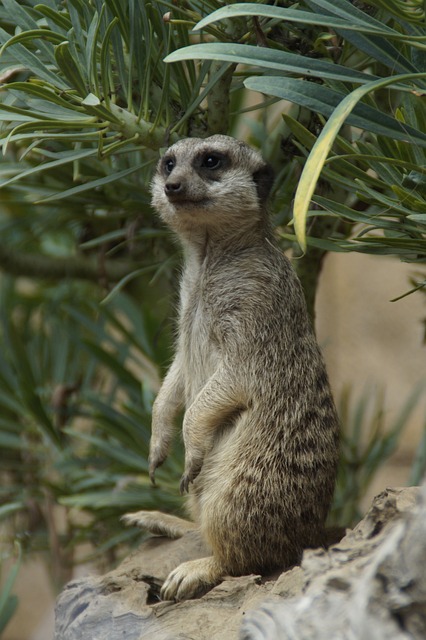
[{"x": 159, "y": 524}]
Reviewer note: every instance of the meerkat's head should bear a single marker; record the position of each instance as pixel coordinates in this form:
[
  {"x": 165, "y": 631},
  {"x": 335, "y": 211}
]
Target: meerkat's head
[{"x": 214, "y": 183}]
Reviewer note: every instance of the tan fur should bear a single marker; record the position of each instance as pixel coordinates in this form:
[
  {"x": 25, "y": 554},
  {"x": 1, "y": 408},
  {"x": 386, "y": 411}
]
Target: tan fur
[{"x": 260, "y": 428}]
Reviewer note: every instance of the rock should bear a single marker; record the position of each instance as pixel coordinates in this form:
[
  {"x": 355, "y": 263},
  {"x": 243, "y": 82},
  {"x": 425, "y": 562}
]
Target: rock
[
  {"x": 372, "y": 584},
  {"x": 124, "y": 603}
]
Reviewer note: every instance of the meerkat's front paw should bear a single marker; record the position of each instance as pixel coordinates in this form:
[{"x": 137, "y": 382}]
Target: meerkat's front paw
[
  {"x": 192, "y": 470},
  {"x": 157, "y": 455},
  {"x": 191, "y": 580}
]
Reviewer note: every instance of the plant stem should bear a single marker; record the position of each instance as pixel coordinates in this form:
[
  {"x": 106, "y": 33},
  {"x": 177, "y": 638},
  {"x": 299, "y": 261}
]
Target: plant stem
[
  {"x": 309, "y": 266},
  {"x": 130, "y": 126},
  {"x": 218, "y": 100},
  {"x": 79, "y": 267}
]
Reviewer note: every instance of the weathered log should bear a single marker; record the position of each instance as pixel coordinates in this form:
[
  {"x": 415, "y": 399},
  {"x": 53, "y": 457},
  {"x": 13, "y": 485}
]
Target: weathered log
[{"x": 372, "y": 584}]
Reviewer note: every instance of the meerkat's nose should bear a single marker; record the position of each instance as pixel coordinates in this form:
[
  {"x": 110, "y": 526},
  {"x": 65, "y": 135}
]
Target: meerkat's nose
[{"x": 174, "y": 189}]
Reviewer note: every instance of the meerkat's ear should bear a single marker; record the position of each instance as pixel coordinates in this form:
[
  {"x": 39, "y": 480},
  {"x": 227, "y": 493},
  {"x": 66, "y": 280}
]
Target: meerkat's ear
[{"x": 264, "y": 179}]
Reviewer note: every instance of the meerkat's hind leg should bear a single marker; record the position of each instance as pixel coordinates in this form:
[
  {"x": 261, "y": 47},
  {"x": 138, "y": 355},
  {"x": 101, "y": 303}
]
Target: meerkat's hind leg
[
  {"x": 159, "y": 524},
  {"x": 192, "y": 579}
]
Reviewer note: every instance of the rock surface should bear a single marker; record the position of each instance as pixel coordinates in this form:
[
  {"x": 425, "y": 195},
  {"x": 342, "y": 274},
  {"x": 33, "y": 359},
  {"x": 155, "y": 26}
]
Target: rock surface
[{"x": 372, "y": 584}]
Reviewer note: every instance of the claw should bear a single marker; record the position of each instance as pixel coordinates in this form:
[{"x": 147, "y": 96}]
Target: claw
[
  {"x": 184, "y": 484},
  {"x": 152, "y": 474},
  {"x": 154, "y": 462},
  {"x": 191, "y": 472}
]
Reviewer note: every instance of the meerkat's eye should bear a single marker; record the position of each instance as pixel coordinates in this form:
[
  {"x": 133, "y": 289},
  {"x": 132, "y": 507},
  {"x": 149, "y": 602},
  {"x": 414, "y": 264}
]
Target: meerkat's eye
[
  {"x": 169, "y": 165},
  {"x": 211, "y": 161}
]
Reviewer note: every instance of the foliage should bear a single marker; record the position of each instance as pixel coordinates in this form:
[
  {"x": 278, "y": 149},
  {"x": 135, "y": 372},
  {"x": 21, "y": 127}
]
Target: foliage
[
  {"x": 368, "y": 441},
  {"x": 9, "y": 601},
  {"x": 86, "y": 104},
  {"x": 362, "y": 56},
  {"x": 89, "y": 101},
  {"x": 75, "y": 421}
]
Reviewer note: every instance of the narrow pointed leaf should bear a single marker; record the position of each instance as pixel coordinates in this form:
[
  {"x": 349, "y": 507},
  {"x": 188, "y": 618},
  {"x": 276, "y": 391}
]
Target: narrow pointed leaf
[
  {"x": 319, "y": 153},
  {"x": 93, "y": 184},
  {"x": 295, "y": 15},
  {"x": 32, "y": 62},
  {"x": 65, "y": 159},
  {"x": 69, "y": 67},
  {"x": 269, "y": 58},
  {"x": 322, "y": 99}
]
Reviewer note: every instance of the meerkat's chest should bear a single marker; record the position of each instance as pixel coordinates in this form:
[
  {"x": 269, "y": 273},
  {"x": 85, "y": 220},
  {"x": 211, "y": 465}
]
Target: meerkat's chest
[{"x": 200, "y": 354}]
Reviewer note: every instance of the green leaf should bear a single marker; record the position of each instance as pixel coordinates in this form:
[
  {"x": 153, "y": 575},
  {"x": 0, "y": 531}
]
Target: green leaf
[
  {"x": 418, "y": 469},
  {"x": 362, "y": 22},
  {"x": 118, "y": 10},
  {"x": 319, "y": 153},
  {"x": 93, "y": 184},
  {"x": 47, "y": 94},
  {"x": 9, "y": 440},
  {"x": 105, "y": 64},
  {"x": 126, "y": 457},
  {"x": 65, "y": 158},
  {"x": 269, "y": 58},
  {"x": 31, "y": 35},
  {"x": 27, "y": 385},
  {"x": 18, "y": 15},
  {"x": 58, "y": 18},
  {"x": 113, "y": 364},
  {"x": 345, "y": 10},
  {"x": 126, "y": 279},
  {"x": 8, "y": 602},
  {"x": 322, "y": 99},
  {"x": 70, "y": 68},
  {"x": 302, "y": 133},
  {"x": 352, "y": 14},
  {"x": 382, "y": 50},
  {"x": 32, "y": 62},
  {"x": 370, "y": 219},
  {"x": 7, "y": 509}
]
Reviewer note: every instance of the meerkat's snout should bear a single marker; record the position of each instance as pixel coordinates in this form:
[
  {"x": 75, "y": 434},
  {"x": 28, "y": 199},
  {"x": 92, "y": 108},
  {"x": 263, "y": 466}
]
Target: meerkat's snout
[{"x": 175, "y": 189}]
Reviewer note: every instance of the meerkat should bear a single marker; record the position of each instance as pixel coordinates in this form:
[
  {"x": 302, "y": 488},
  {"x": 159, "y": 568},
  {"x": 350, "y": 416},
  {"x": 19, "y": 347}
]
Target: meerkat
[{"x": 260, "y": 428}]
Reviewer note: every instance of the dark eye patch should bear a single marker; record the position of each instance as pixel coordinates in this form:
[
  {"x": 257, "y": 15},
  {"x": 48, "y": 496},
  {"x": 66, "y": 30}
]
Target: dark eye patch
[
  {"x": 168, "y": 164},
  {"x": 211, "y": 161}
]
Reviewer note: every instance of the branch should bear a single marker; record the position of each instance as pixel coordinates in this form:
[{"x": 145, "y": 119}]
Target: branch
[
  {"x": 218, "y": 99},
  {"x": 34, "y": 265},
  {"x": 130, "y": 126},
  {"x": 308, "y": 269}
]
